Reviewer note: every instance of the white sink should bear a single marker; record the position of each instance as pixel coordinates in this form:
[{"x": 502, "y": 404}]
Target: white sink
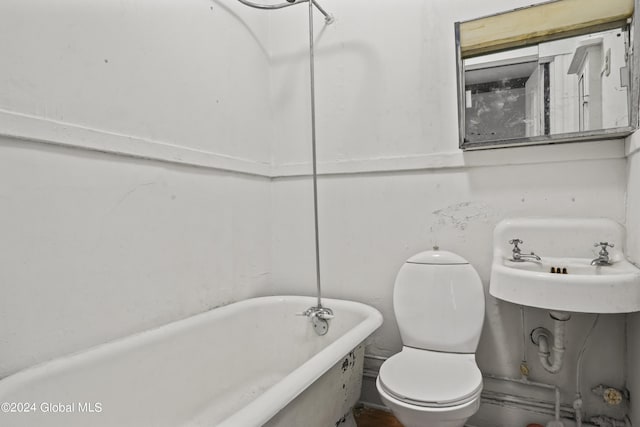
[{"x": 564, "y": 243}]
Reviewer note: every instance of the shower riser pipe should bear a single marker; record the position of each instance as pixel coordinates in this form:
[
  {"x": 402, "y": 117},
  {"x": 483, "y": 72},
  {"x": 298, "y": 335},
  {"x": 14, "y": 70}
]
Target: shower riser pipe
[{"x": 318, "y": 314}]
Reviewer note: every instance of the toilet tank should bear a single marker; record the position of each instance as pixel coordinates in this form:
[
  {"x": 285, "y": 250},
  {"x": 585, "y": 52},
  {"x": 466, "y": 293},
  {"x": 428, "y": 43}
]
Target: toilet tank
[{"x": 438, "y": 300}]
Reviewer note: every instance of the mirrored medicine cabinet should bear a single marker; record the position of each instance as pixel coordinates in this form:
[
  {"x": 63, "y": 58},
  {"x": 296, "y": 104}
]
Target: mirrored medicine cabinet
[{"x": 558, "y": 71}]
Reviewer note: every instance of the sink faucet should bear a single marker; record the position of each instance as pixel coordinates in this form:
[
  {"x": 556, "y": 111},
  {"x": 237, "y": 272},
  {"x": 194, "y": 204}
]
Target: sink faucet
[
  {"x": 603, "y": 256},
  {"x": 517, "y": 255}
]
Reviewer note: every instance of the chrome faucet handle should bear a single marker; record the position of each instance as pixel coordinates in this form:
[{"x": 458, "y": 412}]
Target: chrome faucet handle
[
  {"x": 515, "y": 243},
  {"x": 307, "y": 313},
  {"x": 325, "y": 315},
  {"x": 603, "y": 247},
  {"x": 603, "y": 244}
]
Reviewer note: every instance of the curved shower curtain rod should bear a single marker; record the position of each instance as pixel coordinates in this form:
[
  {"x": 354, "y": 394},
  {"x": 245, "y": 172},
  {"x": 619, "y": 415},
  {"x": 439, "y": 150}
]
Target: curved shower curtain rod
[{"x": 328, "y": 18}]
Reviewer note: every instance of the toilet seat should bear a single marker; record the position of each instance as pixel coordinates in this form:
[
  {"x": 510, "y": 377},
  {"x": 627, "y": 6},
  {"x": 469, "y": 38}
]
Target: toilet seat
[{"x": 431, "y": 379}]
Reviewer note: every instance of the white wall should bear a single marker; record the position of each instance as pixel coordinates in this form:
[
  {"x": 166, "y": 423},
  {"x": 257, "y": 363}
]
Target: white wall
[
  {"x": 188, "y": 73},
  {"x": 97, "y": 246},
  {"x": 385, "y": 78},
  {"x": 633, "y": 197},
  {"x": 633, "y": 251},
  {"x": 386, "y": 88}
]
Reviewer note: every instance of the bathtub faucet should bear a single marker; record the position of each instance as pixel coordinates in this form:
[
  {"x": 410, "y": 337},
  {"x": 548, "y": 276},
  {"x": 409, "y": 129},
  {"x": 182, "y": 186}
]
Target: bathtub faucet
[
  {"x": 319, "y": 318},
  {"x": 320, "y": 312}
]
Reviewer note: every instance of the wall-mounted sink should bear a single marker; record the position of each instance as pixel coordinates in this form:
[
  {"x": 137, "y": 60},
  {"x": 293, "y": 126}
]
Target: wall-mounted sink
[{"x": 565, "y": 245}]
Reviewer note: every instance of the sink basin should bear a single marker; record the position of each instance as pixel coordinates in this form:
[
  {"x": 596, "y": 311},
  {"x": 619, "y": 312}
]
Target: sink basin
[{"x": 564, "y": 244}]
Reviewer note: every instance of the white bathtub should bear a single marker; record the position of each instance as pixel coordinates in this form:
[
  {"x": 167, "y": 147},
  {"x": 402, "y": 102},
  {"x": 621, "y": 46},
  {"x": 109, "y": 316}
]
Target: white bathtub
[{"x": 251, "y": 363}]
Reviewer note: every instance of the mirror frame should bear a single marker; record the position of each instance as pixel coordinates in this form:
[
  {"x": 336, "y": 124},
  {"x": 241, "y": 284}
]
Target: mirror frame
[{"x": 598, "y": 134}]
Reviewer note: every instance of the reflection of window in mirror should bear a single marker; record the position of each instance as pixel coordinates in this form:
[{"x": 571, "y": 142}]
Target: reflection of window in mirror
[
  {"x": 500, "y": 98},
  {"x": 561, "y": 86}
]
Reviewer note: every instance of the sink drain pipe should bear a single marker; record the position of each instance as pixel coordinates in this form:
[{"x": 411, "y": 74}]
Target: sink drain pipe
[{"x": 542, "y": 336}]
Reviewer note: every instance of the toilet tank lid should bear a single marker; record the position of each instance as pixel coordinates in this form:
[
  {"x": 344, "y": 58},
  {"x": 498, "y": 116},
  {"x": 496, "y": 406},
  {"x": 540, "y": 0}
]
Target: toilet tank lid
[{"x": 437, "y": 257}]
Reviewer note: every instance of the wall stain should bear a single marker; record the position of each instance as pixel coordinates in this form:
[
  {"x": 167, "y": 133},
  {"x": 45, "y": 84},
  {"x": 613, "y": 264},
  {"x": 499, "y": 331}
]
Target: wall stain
[{"x": 460, "y": 215}]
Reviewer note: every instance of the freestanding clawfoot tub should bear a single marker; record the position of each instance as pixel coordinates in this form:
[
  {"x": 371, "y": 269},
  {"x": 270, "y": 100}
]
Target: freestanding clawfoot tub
[{"x": 247, "y": 364}]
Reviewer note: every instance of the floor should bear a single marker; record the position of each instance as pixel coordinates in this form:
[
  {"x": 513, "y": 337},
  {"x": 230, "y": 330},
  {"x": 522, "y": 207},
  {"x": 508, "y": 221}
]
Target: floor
[{"x": 369, "y": 417}]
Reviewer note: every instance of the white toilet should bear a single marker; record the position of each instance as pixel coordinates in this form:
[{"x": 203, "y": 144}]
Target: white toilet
[{"x": 434, "y": 381}]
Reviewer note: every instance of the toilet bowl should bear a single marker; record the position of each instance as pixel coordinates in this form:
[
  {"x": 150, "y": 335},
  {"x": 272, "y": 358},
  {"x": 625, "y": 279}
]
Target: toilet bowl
[
  {"x": 434, "y": 381},
  {"x": 424, "y": 388}
]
